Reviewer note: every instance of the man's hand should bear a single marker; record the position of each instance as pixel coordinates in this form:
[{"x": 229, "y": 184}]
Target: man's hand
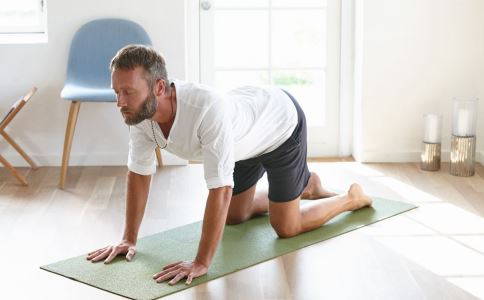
[
  {"x": 180, "y": 270},
  {"x": 110, "y": 252},
  {"x": 213, "y": 225}
]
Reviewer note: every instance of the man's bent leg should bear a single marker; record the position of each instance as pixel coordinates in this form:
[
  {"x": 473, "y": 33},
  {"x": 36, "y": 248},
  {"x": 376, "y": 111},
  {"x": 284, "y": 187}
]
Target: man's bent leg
[
  {"x": 251, "y": 202},
  {"x": 247, "y": 204},
  {"x": 288, "y": 219}
]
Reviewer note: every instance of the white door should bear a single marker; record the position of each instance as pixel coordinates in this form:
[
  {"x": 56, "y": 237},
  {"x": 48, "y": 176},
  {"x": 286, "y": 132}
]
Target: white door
[{"x": 294, "y": 44}]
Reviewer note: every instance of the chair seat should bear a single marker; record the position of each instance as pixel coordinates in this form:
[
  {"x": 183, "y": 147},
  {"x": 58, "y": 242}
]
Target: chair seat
[{"x": 75, "y": 92}]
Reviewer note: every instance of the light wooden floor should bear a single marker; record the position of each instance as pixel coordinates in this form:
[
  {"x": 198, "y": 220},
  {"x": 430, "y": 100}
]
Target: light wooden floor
[{"x": 433, "y": 252}]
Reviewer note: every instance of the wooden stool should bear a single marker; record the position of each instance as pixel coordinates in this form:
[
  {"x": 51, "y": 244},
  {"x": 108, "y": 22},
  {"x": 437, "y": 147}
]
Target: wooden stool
[{"x": 6, "y": 120}]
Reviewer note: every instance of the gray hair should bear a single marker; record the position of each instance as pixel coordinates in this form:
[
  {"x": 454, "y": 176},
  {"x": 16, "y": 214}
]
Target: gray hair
[{"x": 132, "y": 56}]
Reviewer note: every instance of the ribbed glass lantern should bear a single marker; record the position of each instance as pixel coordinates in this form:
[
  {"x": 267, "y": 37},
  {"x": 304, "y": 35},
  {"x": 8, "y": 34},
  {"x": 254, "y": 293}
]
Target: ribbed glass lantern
[
  {"x": 431, "y": 146},
  {"x": 463, "y": 140},
  {"x": 464, "y": 117}
]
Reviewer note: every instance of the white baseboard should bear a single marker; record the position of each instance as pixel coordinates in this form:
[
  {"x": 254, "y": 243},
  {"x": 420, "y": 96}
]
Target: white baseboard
[
  {"x": 120, "y": 159},
  {"x": 385, "y": 157},
  {"x": 396, "y": 157},
  {"x": 98, "y": 159},
  {"x": 402, "y": 157}
]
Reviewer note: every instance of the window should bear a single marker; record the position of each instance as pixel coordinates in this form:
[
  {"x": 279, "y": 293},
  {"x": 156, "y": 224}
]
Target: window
[
  {"x": 23, "y": 21},
  {"x": 293, "y": 44}
]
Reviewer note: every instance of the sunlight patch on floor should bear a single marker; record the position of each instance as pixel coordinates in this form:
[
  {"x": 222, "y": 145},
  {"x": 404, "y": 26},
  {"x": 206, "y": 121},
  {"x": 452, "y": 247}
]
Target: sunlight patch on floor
[{"x": 441, "y": 237}]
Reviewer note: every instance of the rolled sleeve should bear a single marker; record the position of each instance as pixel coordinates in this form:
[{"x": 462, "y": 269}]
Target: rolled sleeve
[
  {"x": 216, "y": 182},
  {"x": 141, "y": 157},
  {"x": 217, "y": 146}
]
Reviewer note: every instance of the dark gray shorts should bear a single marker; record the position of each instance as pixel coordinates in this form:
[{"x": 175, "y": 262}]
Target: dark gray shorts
[{"x": 286, "y": 166}]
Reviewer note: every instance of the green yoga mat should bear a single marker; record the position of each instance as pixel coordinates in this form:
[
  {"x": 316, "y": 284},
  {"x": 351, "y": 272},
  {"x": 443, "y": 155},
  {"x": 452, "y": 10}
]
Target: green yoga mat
[{"x": 242, "y": 246}]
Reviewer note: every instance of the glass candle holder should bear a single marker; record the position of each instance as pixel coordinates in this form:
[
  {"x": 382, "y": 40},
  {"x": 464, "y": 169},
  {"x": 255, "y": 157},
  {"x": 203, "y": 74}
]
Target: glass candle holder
[
  {"x": 464, "y": 117},
  {"x": 432, "y": 129},
  {"x": 431, "y": 146},
  {"x": 463, "y": 140}
]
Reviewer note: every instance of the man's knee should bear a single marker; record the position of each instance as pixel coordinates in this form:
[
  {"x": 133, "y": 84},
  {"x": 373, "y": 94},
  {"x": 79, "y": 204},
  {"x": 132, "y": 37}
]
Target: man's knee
[
  {"x": 286, "y": 230},
  {"x": 234, "y": 218},
  {"x": 285, "y": 218},
  {"x": 240, "y": 207}
]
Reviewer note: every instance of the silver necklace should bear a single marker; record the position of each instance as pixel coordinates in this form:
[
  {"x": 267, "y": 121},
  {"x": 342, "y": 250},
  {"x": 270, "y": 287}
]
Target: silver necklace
[
  {"x": 153, "y": 130},
  {"x": 154, "y": 137}
]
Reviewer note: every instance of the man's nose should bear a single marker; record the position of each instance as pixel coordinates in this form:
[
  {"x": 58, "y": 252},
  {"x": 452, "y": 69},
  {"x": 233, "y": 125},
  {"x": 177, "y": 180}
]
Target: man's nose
[{"x": 120, "y": 101}]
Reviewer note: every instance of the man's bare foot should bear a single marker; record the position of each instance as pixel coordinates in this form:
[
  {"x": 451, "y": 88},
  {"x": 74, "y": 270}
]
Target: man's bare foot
[
  {"x": 314, "y": 189},
  {"x": 357, "y": 197}
]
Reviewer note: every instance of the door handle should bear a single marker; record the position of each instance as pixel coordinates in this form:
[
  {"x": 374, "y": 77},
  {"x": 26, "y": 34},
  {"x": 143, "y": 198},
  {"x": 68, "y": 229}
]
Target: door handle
[{"x": 206, "y": 5}]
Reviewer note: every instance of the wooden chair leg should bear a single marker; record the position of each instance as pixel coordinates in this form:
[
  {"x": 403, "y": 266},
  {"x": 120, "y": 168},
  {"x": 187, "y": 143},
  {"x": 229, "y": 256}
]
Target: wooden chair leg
[
  {"x": 12, "y": 170},
  {"x": 158, "y": 157},
  {"x": 71, "y": 126},
  {"x": 19, "y": 150}
]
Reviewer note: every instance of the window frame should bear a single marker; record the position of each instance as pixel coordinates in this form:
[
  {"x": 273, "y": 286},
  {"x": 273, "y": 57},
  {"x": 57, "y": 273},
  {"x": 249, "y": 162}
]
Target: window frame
[
  {"x": 337, "y": 139},
  {"x": 21, "y": 34}
]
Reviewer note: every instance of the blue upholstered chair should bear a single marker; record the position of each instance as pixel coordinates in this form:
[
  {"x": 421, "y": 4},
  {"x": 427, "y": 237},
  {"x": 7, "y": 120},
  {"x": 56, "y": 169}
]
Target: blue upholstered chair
[{"x": 88, "y": 74}]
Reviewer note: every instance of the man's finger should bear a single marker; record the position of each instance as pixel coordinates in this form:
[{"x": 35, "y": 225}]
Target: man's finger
[
  {"x": 162, "y": 273},
  {"x": 174, "y": 268},
  {"x": 130, "y": 254},
  {"x": 177, "y": 278},
  {"x": 167, "y": 276},
  {"x": 114, "y": 252},
  {"x": 189, "y": 279},
  {"x": 95, "y": 253},
  {"x": 90, "y": 256},
  {"x": 101, "y": 256},
  {"x": 172, "y": 265}
]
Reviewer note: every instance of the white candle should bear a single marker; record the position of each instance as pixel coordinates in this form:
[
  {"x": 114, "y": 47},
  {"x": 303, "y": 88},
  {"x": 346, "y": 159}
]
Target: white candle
[
  {"x": 463, "y": 126},
  {"x": 432, "y": 128}
]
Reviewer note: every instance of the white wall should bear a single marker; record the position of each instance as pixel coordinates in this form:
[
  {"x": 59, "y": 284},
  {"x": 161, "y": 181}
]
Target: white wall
[
  {"x": 413, "y": 57},
  {"x": 101, "y": 136}
]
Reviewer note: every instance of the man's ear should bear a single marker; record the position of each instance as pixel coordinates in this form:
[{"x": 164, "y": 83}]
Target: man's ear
[{"x": 160, "y": 87}]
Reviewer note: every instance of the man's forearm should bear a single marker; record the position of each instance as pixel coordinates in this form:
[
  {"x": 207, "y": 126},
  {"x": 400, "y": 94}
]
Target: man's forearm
[
  {"x": 213, "y": 223},
  {"x": 136, "y": 197}
]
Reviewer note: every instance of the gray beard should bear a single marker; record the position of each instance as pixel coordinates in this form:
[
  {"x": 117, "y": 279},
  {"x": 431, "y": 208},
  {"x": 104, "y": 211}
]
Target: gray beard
[{"x": 146, "y": 111}]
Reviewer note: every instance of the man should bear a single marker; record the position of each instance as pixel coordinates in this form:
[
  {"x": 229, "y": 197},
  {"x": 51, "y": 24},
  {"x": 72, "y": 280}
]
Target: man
[{"x": 239, "y": 135}]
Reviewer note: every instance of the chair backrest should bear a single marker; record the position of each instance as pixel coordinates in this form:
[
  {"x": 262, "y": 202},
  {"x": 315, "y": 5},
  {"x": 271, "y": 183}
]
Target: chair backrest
[
  {"x": 94, "y": 45},
  {"x": 16, "y": 107}
]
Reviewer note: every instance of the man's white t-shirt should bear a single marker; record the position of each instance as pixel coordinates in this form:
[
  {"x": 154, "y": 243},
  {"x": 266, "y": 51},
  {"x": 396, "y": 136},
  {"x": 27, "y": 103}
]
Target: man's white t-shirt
[{"x": 217, "y": 128}]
